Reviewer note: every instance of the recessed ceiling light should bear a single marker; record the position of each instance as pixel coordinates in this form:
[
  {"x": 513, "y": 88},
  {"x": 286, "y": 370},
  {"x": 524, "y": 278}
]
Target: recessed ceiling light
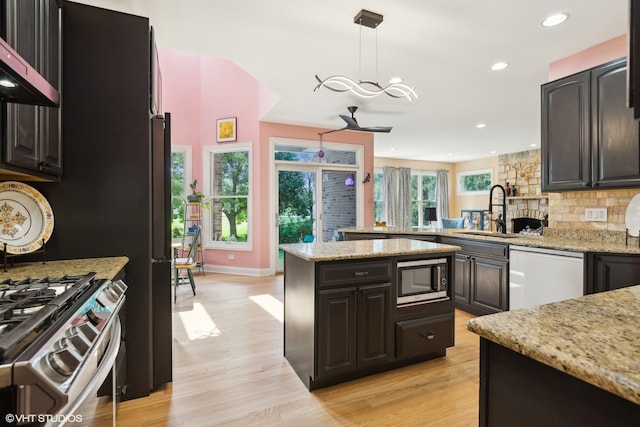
[
  {"x": 533, "y": 145},
  {"x": 493, "y": 151},
  {"x": 392, "y": 149},
  {"x": 556, "y": 19},
  {"x": 395, "y": 80},
  {"x": 450, "y": 154},
  {"x": 499, "y": 66},
  {"x": 481, "y": 125}
]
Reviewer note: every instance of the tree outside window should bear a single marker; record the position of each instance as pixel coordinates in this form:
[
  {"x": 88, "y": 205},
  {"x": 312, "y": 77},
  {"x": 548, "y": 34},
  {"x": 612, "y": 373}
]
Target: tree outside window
[
  {"x": 423, "y": 195},
  {"x": 178, "y": 179},
  {"x": 230, "y": 196},
  {"x": 474, "y": 182}
]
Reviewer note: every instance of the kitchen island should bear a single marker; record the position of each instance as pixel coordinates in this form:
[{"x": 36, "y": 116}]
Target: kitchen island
[
  {"x": 341, "y": 317},
  {"x": 573, "y": 362}
]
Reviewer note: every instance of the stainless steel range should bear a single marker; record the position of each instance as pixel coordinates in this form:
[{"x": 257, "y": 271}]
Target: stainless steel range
[{"x": 59, "y": 338}]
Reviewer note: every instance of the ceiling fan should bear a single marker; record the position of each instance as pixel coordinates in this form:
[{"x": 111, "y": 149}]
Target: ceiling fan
[{"x": 352, "y": 124}]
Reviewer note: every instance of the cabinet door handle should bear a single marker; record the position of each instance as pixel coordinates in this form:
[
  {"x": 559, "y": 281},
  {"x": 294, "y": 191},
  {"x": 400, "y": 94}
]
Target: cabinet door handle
[
  {"x": 43, "y": 165},
  {"x": 428, "y": 335},
  {"x": 361, "y": 273}
]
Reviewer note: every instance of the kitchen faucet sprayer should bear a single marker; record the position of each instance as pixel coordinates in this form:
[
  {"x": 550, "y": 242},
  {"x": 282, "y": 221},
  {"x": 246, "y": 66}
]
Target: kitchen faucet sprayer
[{"x": 502, "y": 223}]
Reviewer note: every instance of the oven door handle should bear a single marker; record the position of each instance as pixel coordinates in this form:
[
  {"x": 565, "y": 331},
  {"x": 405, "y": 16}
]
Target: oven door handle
[{"x": 108, "y": 359}]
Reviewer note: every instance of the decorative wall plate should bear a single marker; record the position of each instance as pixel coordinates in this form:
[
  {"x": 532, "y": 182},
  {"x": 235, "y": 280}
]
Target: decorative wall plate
[
  {"x": 632, "y": 218},
  {"x": 26, "y": 218}
]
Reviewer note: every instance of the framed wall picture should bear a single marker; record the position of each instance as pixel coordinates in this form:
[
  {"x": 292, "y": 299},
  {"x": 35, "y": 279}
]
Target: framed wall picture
[{"x": 226, "y": 129}]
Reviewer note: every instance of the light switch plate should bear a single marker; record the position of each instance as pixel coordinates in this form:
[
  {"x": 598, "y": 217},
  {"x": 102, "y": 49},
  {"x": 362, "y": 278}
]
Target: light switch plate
[{"x": 595, "y": 214}]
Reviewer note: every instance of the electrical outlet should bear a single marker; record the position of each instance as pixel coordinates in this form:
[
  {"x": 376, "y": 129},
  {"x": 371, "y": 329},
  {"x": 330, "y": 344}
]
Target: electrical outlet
[
  {"x": 595, "y": 214},
  {"x": 231, "y": 256}
]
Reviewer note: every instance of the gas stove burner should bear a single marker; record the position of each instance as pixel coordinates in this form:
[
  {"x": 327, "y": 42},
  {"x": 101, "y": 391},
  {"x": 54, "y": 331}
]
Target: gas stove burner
[{"x": 33, "y": 297}]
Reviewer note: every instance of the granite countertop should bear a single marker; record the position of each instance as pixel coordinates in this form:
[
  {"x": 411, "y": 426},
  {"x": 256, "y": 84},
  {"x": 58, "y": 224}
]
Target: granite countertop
[
  {"x": 578, "y": 241},
  {"x": 105, "y": 268},
  {"x": 595, "y": 338},
  {"x": 333, "y": 251}
]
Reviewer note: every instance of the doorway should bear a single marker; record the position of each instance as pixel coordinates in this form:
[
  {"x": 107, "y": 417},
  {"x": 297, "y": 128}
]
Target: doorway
[{"x": 302, "y": 216}]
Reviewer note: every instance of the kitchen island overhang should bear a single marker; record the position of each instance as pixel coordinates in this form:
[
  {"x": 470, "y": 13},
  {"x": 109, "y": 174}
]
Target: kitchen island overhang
[
  {"x": 342, "y": 319},
  {"x": 573, "y": 362}
]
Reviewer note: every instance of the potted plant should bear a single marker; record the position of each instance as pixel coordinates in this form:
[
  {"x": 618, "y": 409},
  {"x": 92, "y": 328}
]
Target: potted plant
[{"x": 197, "y": 196}]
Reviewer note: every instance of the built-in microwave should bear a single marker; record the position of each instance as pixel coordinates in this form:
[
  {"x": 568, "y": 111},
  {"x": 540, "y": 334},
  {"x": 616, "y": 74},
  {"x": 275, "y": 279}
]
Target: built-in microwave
[{"x": 422, "y": 280}]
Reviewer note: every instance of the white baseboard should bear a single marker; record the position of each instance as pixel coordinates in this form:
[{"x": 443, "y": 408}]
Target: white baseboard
[{"x": 241, "y": 271}]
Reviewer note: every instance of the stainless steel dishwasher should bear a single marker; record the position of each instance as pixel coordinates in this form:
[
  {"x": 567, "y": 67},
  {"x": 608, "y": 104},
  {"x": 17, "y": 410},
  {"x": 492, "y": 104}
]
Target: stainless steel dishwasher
[{"x": 540, "y": 276}]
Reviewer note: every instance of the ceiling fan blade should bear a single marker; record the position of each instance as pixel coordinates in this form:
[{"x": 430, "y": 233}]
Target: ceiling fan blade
[
  {"x": 384, "y": 129},
  {"x": 351, "y": 122},
  {"x": 334, "y": 130}
]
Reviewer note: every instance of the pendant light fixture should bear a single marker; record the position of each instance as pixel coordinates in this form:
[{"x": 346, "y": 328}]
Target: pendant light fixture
[{"x": 367, "y": 88}]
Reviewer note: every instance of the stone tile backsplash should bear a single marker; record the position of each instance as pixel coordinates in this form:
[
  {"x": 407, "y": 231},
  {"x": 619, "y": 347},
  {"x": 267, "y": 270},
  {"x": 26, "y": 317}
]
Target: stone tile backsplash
[{"x": 567, "y": 210}]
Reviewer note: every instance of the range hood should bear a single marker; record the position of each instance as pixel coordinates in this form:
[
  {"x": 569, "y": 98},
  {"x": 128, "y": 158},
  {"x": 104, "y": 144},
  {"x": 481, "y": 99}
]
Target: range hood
[{"x": 21, "y": 83}]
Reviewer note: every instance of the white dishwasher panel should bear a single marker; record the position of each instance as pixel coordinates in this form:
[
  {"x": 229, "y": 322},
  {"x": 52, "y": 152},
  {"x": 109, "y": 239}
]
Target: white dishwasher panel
[{"x": 540, "y": 276}]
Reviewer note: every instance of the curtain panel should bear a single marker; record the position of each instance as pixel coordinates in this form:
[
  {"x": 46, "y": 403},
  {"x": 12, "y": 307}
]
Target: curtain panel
[
  {"x": 442, "y": 195},
  {"x": 390, "y": 195}
]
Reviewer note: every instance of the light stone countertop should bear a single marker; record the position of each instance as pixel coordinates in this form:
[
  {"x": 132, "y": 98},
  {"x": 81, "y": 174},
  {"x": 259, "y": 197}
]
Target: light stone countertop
[
  {"x": 577, "y": 241},
  {"x": 105, "y": 268},
  {"x": 375, "y": 248},
  {"x": 595, "y": 338}
]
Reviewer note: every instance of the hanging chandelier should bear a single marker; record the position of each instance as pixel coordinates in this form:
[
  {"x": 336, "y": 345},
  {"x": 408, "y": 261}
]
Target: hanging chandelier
[{"x": 367, "y": 88}]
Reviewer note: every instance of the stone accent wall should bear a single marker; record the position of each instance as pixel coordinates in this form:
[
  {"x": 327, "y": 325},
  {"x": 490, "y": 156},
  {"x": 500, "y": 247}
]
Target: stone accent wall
[{"x": 522, "y": 171}]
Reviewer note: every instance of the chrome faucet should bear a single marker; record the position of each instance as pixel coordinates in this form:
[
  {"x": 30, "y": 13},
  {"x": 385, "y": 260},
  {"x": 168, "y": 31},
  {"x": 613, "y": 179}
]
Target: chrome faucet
[{"x": 500, "y": 222}]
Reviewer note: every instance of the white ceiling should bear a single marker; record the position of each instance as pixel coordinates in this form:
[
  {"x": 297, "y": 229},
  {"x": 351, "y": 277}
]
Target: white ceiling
[{"x": 443, "y": 48}]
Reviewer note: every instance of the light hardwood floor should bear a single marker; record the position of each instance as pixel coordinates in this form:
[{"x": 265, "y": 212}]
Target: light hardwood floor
[{"x": 229, "y": 370}]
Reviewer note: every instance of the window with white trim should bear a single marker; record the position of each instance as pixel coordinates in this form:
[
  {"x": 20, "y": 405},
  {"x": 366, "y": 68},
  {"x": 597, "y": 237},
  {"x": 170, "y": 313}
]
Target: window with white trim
[
  {"x": 423, "y": 195},
  {"x": 474, "y": 182},
  {"x": 229, "y": 186},
  {"x": 180, "y": 176}
]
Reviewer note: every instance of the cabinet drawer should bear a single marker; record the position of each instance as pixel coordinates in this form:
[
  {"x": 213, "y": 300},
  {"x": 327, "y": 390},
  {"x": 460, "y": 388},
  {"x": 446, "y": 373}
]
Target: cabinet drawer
[
  {"x": 354, "y": 273},
  {"x": 423, "y": 336}
]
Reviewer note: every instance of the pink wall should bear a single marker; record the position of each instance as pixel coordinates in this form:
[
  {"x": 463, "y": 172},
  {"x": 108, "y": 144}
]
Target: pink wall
[
  {"x": 197, "y": 90},
  {"x": 588, "y": 58}
]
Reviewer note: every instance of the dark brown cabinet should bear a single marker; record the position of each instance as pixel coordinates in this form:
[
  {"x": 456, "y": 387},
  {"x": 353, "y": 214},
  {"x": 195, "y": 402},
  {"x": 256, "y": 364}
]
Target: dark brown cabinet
[
  {"x": 354, "y": 323},
  {"x": 32, "y": 140},
  {"x": 589, "y": 136},
  {"x": 426, "y": 335},
  {"x": 337, "y": 332},
  {"x": 606, "y": 272},
  {"x": 354, "y": 329},
  {"x": 481, "y": 276}
]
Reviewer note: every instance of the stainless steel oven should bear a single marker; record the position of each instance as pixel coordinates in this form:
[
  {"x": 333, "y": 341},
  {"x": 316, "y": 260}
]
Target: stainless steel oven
[
  {"x": 422, "y": 280},
  {"x": 59, "y": 338}
]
